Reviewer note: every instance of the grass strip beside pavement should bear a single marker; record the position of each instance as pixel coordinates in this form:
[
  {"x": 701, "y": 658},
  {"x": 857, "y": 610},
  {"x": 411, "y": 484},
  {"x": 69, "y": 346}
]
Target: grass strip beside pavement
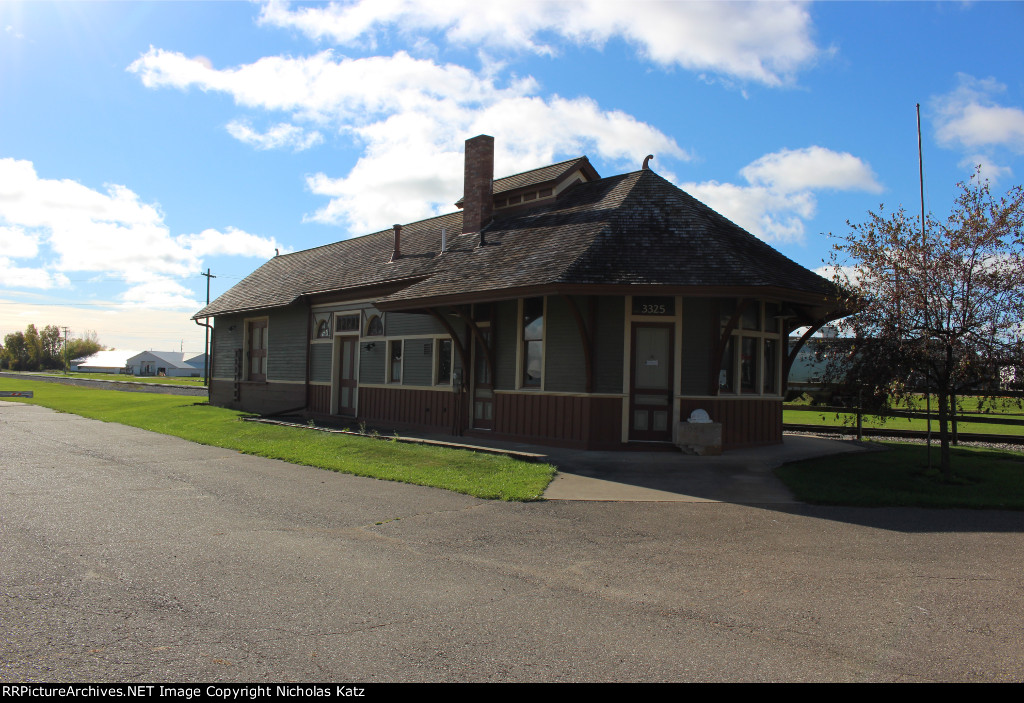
[
  {"x": 172, "y": 380},
  {"x": 899, "y": 476},
  {"x": 475, "y": 474}
]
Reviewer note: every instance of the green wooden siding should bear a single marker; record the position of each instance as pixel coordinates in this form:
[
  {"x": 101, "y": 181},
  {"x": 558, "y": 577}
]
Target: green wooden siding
[
  {"x": 398, "y": 324},
  {"x": 505, "y": 333},
  {"x": 371, "y": 361},
  {"x": 287, "y": 342},
  {"x": 699, "y": 339},
  {"x": 565, "y": 369},
  {"x": 320, "y": 358},
  {"x": 417, "y": 362},
  {"x": 608, "y": 335},
  {"x": 225, "y": 342}
]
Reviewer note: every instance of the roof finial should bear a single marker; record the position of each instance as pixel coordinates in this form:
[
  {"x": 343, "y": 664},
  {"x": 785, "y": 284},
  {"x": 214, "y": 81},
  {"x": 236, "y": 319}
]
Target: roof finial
[{"x": 645, "y": 166}]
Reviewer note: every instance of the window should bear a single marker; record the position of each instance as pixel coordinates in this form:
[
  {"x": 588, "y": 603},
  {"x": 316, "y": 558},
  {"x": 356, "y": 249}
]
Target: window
[
  {"x": 374, "y": 327},
  {"x": 533, "y": 342},
  {"x": 395, "y": 367},
  {"x": 257, "y": 349},
  {"x": 321, "y": 325},
  {"x": 444, "y": 361},
  {"x": 348, "y": 323},
  {"x": 750, "y": 362}
]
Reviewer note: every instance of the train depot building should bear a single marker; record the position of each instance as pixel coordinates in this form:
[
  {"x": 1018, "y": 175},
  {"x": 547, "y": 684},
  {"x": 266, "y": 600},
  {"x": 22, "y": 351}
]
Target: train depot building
[{"x": 552, "y": 307}]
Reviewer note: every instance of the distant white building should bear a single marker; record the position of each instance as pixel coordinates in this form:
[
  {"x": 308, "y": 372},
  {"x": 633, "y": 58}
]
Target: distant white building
[
  {"x": 159, "y": 363},
  {"x": 114, "y": 361}
]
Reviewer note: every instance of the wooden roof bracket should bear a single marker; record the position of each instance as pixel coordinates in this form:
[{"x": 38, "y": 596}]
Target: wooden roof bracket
[
  {"x": 716, "y": 366},
  {"x": 454, "y": 335},
  {"x": 791, "y": 354},
  {"x": 585, "y": 339},
  {"x": 488, "y": 353}
]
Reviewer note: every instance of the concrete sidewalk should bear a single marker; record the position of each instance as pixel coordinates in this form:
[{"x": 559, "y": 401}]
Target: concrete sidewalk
[{"x": 742, "y": 476}]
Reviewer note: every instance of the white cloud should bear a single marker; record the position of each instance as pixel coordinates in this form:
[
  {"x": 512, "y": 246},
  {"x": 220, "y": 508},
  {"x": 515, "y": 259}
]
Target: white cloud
[
  {"x": 969, "y": 118},
  {"x": 812, "y": 168},
  {"x": 413, "y": 116},
  {"x": 990, "y": 170},
  {"x": 749, "y": 41},
  {"x": 62, "y": 226},
  {"x": 88, "y": 230},
  {"x": 14, "y": 241},
  {"x": 844, "y": 275},
  {"x": 160, "y": 293},
  {"x": 780, "y": 197},
  {"x": 14, "y": 276},
  {"x": 231, "y": 242},
  {"x": 280, "y": 136}
]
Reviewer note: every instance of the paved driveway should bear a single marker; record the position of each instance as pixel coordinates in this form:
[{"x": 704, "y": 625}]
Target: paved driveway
[{"x": 131, "y": 556}]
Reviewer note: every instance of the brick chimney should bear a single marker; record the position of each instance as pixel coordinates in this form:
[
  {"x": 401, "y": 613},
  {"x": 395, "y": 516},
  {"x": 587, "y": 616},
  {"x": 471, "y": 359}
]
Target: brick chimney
[
  {"x": 477, "y": 195},
  {"x": 397, "y": 253}
]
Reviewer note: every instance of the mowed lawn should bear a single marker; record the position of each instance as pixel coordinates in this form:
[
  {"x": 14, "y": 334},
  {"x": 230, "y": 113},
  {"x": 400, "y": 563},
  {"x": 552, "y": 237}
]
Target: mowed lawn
[
  {"x": 900, "y": 476},
  {"x": 969, "y": 419},
  {"x": 472, "y": 473},
  {"x": 173, "y": 380}
]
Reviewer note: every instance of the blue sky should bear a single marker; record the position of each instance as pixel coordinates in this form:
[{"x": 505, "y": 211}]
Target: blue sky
[{"x": 142, "y": 143}]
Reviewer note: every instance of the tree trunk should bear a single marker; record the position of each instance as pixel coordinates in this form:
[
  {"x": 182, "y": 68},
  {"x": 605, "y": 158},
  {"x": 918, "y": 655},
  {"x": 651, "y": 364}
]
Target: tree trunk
[
  {"x": 953, "y": 418},
  {"x": 944, "y": 454}
]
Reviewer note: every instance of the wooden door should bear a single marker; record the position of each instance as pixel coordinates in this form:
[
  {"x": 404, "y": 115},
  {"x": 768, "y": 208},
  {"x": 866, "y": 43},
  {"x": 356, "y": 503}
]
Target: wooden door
[
  {"x": 258, "y": 350},
  {"x": 483, "y": 385},
  {"x": 345, "y": 372},
  {"x": 650, "y": 398}
]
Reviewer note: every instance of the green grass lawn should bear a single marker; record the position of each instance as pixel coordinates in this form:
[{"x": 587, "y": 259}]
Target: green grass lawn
[
  {"x": 476, "y": 474},
  {"x": 177, "y": 380},
  {"x": 827, "y": 419},
  {"x": 971, "y": 419},
  {"x": 898, "y": 476}
]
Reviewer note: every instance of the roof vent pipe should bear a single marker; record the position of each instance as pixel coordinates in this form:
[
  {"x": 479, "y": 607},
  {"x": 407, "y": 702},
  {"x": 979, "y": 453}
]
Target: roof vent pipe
[
  {"x": 444, "y": 241},
  {"x": 398, "y": 243}
]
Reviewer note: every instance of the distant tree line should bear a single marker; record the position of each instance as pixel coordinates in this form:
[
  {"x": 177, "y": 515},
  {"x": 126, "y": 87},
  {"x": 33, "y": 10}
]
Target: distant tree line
[{"x": 33, "y": 350}]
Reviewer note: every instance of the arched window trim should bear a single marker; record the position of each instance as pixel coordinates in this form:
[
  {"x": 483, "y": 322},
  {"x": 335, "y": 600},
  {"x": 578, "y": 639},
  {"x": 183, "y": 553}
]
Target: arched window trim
[{"x": 374, "y": 326}]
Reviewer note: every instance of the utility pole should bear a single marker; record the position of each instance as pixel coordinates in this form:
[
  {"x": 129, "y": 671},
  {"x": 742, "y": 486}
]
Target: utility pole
[
  {"x": 206, "y": 343},
  {"x": 65, "y": 351},
  {"x": 927, "y": 320}
]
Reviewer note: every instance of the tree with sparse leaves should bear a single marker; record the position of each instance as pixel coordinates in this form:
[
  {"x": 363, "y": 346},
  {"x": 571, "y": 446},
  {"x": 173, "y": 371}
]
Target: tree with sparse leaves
[{"x": 940, "y": 310}]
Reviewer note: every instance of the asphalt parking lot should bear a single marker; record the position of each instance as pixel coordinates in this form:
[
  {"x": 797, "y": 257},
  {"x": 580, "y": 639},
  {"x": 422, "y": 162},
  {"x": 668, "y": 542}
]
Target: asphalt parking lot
[{"x": 132, "y": 556}]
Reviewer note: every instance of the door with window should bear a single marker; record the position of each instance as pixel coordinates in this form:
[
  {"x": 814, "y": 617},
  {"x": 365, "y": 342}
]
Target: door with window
[
  {"x": 650, "y": 398},
  {"x": 345, "y": 372},
  {"x": 483, "y": 384},
  {"x": 257, "y": 350}
]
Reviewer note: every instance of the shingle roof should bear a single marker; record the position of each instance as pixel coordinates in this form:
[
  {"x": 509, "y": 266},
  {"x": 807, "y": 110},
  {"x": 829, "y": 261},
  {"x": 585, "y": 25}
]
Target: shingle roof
[
  {"x": 627, "y": 230},
  {"x": 544, "y": 174}
]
